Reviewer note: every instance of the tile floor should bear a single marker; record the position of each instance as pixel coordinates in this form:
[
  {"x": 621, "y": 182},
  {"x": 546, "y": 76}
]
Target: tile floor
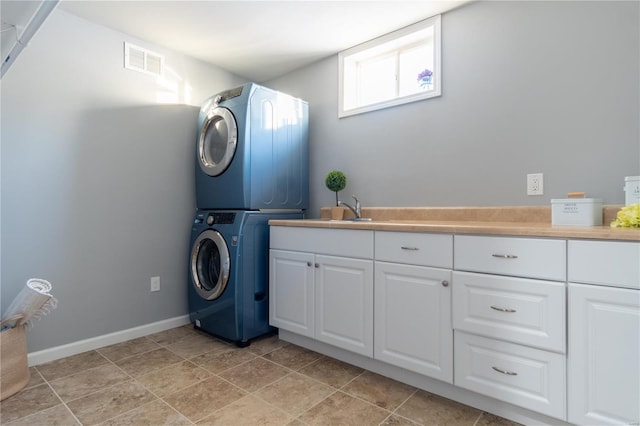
[{"x": 184, "y": 377}]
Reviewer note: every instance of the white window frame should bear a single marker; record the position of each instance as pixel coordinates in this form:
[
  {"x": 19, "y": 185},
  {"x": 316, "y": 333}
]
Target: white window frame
[{"x": 346, "y": 57}]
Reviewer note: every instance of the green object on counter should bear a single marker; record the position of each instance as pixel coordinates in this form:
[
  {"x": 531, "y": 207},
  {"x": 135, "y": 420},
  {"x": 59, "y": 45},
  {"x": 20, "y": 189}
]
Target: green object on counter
[
  {"x": 336, "y": 181},
  {"x": 628, "y": 217}
]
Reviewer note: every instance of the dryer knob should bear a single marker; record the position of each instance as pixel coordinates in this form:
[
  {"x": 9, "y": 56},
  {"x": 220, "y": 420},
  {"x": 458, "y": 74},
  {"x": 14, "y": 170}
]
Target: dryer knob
[{"x": 210, "y": 219}]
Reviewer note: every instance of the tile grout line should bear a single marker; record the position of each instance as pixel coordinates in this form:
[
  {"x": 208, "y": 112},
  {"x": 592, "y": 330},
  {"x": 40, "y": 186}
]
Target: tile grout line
[
  {"x": 183, "y": 359},
  {"x": 146, "y": 388},
  {"x": 245, "y": 393},
  {"x": 291, "y": 371},
  {"x": 159, "y": 398},
  {"x": 293, "y": 416},
  {"x": 395, "y": 411},
  {"x": 64, "y": 403},
  {"x": 61, "y": 400},
  {"x": 130, "y": 379}
]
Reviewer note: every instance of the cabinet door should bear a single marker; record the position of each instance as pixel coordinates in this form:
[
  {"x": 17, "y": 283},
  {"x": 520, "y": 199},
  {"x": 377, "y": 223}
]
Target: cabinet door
[
  {"x": 344, "y": 303},
  {"x": 604, "y": 349},
  {"x": 291, "y": 294},
  {"x": 413, "y": 319}
]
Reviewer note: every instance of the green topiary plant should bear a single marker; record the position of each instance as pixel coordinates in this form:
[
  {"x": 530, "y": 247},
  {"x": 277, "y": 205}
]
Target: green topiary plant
[{"x": 336, "y": 181}]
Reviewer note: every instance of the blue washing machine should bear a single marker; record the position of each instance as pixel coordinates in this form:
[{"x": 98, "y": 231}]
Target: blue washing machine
[
  {"x": 229, "y": 273},
  {"x": 253, "y": 151}
]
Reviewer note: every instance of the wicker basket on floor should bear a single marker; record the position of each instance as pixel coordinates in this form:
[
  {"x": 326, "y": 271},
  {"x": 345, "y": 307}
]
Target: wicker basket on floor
[{"x": 14, "y": 368}]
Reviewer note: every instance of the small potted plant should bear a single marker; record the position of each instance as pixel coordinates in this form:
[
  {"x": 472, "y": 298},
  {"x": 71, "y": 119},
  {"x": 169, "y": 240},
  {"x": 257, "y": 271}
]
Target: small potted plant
[{"x": 336, "y": 181}]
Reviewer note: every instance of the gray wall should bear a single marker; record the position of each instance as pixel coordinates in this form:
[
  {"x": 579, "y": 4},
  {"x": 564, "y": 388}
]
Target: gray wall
[
  {"x": 528, "y": 87},
  {"x": 97, "y": 179}
]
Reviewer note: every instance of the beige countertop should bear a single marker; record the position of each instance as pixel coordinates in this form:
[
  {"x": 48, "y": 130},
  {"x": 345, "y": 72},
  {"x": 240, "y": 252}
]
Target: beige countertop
[{"x": 517, "y": 221}]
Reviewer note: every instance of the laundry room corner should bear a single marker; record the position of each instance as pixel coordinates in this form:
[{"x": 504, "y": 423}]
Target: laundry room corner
[{"x": 97, "y": 181}]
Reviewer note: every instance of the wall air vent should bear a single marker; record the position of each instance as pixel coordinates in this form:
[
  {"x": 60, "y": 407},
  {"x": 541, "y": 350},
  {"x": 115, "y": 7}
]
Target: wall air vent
[{"x": 138, "y": 59}]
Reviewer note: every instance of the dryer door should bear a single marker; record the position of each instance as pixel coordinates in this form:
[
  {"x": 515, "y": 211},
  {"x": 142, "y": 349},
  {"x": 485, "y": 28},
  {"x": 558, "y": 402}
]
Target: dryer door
[
  {"x": 210, "y": 264},
  {"x": 217, "y": 141}
]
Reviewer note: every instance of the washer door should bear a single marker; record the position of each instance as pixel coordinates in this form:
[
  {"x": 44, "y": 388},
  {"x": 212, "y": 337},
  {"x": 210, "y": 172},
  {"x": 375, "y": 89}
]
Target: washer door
[
  {"x": 210, "y": 264},
  {"x": 217, "y": 141}
]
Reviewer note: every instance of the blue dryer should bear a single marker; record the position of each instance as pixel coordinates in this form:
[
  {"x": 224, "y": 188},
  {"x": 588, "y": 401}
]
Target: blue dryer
[
  {"x": 228, "y": 273},
  {"x": 253, "y": 151}
]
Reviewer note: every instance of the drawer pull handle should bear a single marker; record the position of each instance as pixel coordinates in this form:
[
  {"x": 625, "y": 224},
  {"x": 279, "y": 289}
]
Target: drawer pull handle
[
  {"x": 503, "y": 309},
  {"x": 410, "y": 248},
  {"x": 505, "y": 256},
  {"x": 508, "y": 373}
]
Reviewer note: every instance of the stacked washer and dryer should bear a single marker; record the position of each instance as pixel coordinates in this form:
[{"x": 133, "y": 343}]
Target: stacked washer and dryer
[{"x": 252, "y": 160}]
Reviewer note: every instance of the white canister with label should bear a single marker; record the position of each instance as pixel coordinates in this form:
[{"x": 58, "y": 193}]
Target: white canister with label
[{"x": 632, "y": 190}]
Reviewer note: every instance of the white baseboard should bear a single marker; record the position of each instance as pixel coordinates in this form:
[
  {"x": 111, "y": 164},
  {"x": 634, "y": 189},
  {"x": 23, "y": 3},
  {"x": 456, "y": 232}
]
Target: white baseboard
[{"x": 51, "y": 354}]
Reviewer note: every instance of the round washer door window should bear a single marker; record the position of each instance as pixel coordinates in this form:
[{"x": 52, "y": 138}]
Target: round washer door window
[
  {"x": 217, "y": 141},
  {"x": 210, "y": 264}
]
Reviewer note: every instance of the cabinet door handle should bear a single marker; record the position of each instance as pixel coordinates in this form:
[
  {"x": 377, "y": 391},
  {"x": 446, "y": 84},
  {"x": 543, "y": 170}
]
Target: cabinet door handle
[
  {"x": 317, "y": 265},
  {"x": 503, "y": 309},
  {"x": 508, "y": 373},
  {"x": 409, "y": 248},
  {"x": 308, "y": 263},
  {"x": 505, "y": 256},
  {"x": 445, "y": 283}
]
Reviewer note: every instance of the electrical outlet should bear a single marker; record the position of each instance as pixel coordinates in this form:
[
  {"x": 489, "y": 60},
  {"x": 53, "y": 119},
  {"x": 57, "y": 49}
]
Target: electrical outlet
[
  {"x": 155, "y": 283},
  {"x": 535, "y": 184}
]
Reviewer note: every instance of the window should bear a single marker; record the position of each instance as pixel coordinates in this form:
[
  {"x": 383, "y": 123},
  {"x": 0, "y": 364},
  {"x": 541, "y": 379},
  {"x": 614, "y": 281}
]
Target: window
[{"x": 397, "y": 68}]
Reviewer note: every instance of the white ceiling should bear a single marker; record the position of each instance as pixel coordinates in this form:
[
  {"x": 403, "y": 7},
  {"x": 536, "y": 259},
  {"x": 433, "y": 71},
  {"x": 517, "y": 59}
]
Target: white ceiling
[{"x": 258, "y": 40}]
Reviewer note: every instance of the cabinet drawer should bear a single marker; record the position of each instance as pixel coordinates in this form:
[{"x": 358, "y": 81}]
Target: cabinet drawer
[
  {"x": 524, "y": 257},
  {"x": 612, "y": 263},
  {"x": 335, "y": 242},
  {"x": 523, "y": 376},
  {"x": 415, "y": 248},
  {"x": 519, "y": 310}
]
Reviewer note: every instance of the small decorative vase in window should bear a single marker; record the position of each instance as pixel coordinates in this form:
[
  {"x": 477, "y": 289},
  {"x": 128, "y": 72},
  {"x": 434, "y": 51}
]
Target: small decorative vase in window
[{"x": 425, "y": 78}]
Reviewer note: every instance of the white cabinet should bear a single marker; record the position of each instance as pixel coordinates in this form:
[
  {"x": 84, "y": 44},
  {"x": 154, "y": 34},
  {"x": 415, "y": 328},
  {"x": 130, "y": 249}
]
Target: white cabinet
[
  {"x": 604, "y": 333},
  {"x": 291, "y": 291},
  {"x": 502, "y": 323},
  {"x": 344, "y": 303},
  {"x": 413, "y": 302},
  {"x": 509, "y": 320},
  {"x": 321, "y": 285},
  {"x": 413, "y": 319}
]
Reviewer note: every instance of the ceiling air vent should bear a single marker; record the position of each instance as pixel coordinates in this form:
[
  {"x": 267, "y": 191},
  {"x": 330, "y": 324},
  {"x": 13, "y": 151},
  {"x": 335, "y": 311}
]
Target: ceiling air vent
[{"x": 138, "y": 59}]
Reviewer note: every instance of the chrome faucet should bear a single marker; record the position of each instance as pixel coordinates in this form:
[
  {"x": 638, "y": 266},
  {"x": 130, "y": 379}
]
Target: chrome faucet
[{"x": 355, "y": 211}]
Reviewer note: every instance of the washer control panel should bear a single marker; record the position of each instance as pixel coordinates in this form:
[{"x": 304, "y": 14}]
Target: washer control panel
[{"x": 215, "y": 218}]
